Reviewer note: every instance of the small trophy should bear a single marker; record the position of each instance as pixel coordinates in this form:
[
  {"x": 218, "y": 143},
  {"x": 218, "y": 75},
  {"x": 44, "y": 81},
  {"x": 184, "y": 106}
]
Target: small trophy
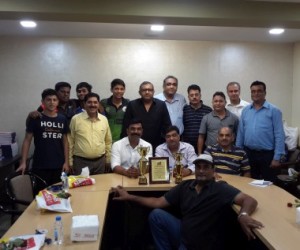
[
  {"x": 178, "y": 167},
  {"x": 143, "y": 164}
]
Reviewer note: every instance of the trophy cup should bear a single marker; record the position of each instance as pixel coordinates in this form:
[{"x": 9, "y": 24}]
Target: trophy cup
[
  {"x": 143, "y": 164},
  {"x": 178, "y": 167}
]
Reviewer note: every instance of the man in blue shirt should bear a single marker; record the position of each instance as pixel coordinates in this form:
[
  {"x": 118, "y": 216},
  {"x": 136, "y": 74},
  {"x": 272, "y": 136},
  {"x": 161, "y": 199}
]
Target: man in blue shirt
[
  {"x": 261, "y": 134},
  {"x": 174, "y": 101}
]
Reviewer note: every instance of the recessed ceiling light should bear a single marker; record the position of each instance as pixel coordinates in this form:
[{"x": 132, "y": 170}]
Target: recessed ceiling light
[
  {"x": 157, "y": 28},
  {"x": 28, "y": 24},
  {"x": 276, "y": 31}
]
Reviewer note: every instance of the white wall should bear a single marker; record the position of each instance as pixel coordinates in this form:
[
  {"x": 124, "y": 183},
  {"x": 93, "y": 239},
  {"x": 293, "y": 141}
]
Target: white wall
[
  {"x": 29, "y": 65},
  {"x": 295, "y": 121}
]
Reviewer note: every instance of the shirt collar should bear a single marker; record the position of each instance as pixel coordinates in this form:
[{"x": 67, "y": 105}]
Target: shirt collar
[
  {"x": 226, "y": 113},
  {"x": 86, "y": 116},
  {"x": 266, "y": 105}
]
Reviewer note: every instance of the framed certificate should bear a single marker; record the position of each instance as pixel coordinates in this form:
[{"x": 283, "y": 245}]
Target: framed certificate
[{"x": 159, "y": 170}]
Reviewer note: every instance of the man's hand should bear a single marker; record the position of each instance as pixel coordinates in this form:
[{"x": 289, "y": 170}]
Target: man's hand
[
  {"x": 186, "y": 172},
  {"x": 275, "y": 164},
  {"x": 132, "y": 172},
  {"x": 66, "y": 168},
  {"x": 120, "y": 193},
  {"x": 217, "y": 176},
  {"x": 22, "y": 168},
  {"x": 35, "y": 114},
  {"x": 248, "y": 224}
]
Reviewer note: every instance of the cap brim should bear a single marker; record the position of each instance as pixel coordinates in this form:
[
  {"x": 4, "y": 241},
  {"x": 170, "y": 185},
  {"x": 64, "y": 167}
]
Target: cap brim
[{"x": 198, "y": 160}]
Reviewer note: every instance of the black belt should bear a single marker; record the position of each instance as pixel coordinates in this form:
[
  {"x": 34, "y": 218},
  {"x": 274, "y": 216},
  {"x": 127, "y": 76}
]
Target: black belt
[{"x": 88, "y": 159}]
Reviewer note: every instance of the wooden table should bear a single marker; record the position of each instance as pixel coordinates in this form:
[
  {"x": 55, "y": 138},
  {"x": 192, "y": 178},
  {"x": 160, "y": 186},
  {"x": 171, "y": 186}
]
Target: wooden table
[
  {"x": 83, "y": 203},
  {"x": 104, "y": 182},
  {"x": 280, "y": 231}
]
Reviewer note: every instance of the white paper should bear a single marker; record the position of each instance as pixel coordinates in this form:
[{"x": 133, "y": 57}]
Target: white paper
[
  {"x": 298, "y": 215},
  {"x": 261, "y": 183},
  {"x": 85, "y": 172}
]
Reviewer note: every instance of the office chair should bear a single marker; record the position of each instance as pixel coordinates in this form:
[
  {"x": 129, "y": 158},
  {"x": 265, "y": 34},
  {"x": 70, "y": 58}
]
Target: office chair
[
  {"x": 21, "y": 189},
  {"x": 290, "y": 183}
]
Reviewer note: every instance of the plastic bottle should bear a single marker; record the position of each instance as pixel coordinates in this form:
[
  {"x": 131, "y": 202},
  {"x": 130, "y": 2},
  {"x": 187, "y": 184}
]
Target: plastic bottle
[
  {"x": 65, "y": 182},
  {"x": 58, "y": 231}
]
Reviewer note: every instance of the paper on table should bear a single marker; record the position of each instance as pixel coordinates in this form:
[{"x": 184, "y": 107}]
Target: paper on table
[{"x": 261, "y": 183}]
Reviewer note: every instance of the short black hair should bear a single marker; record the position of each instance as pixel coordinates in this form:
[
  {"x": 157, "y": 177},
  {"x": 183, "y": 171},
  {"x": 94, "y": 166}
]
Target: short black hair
[
  {"x": 219, "y": 93},
  {"x": 172, "y": 128},
  {"x": 91, "y": 94},
  {"x": 259, "y": 83},
  {"x": 60, "y": 85},
  {"x": 84, "y": 85},
  {"x": 193, "y": 87},
  {"x": 116, "y": 82},
  {"x": 134, "y": 121},
  {"x": 48, "y": 92}
]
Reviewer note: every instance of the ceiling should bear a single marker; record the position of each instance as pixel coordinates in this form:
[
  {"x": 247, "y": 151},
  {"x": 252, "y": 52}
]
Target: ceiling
[{"x": 183, "y": 20}]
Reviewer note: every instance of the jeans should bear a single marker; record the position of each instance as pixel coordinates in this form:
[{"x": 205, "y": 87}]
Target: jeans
[{"x": 165, "y": 229}]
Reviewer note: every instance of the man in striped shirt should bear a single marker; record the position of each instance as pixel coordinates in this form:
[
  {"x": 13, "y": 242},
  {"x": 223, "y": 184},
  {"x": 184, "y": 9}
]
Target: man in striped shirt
[
  {"x": 192, "y": 116},
  {"x": 228, "y": 159}
]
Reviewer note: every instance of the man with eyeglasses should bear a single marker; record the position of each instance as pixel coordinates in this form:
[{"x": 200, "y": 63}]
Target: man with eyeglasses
[
  {"x": 261, "y": 134},
  {"x": 202, "y": 203},
  {"x": 152, "y": 112}
]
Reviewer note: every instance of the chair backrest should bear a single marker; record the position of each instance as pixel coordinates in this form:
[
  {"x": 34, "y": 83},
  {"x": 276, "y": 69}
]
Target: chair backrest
[{"x": 21, "y": 188}]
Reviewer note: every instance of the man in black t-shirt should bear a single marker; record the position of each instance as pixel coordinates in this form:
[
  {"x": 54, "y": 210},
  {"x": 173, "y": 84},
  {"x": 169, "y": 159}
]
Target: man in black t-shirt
[
  {"x": 49, "y": 131},
  {"x": 201, "y": 203}
]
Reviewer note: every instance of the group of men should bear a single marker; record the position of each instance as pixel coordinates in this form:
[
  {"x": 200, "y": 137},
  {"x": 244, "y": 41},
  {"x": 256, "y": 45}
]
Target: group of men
[
  {"x": 166, "y": 122},
  {"x": 71, "y": 134}
]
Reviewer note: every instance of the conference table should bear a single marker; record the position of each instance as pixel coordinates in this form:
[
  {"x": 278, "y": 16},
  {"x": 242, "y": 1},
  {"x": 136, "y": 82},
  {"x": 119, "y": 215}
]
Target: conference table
[{"x": 280, "y": 229}]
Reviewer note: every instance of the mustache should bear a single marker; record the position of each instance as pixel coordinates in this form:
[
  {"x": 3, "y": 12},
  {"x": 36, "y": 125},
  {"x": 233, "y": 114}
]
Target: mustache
[{"x": 135, "y": 134}]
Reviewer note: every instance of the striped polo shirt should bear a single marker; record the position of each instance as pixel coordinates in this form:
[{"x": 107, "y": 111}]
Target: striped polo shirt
[{"x": 234, "y": 161}]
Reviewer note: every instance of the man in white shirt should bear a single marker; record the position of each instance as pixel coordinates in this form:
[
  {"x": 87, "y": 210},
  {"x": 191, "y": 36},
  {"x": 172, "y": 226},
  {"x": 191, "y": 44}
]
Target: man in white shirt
[
  {"x": 124, "y": 154},
  {"x": 174, "y": 101},
  {"x": 235, "y": 105}
]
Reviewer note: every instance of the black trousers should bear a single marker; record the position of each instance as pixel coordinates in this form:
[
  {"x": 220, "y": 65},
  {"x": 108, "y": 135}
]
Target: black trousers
[{"x": 260, "y": 161}]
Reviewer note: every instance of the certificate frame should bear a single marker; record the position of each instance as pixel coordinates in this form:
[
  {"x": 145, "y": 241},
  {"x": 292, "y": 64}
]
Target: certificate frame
[{"x": 159, "y": 171}]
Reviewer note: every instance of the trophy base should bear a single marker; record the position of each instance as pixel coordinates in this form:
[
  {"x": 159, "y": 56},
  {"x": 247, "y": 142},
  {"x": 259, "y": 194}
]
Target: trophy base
[
  {"x": 143, "y": 180},
  {"x": 178, "y": 179}
]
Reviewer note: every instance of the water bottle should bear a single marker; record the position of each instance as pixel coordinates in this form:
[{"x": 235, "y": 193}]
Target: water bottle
[
  {"x": 65, "y": 183},
  {"x": 58, "y": 231}
]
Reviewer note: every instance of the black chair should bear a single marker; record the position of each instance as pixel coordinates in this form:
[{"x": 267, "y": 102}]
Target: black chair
[
  {"x": 290, "y": 183},
  {"x": 21, "y": 189}
]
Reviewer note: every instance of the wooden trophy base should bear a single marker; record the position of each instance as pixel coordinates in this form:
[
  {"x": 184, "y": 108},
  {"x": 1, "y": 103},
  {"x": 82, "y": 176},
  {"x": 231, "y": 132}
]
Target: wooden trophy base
[
  {"x": 178, "y": 179},
  {"x": 143, "y": 180}
]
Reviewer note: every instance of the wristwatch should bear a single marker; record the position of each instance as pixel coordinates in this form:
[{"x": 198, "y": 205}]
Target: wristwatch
[{"x": 242, "y": 214}]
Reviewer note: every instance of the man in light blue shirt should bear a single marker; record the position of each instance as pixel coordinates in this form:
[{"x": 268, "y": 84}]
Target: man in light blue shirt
[
  {"x": 261, "y": 134},
  {"x": 174, "y": 101},
  {"x": 174, "y": 145}
]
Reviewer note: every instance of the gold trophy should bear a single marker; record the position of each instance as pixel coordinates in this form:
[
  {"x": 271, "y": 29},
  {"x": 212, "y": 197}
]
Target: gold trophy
[
  {"x": 143, "y": 151},
  {"x": 178, "y": 167}
]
